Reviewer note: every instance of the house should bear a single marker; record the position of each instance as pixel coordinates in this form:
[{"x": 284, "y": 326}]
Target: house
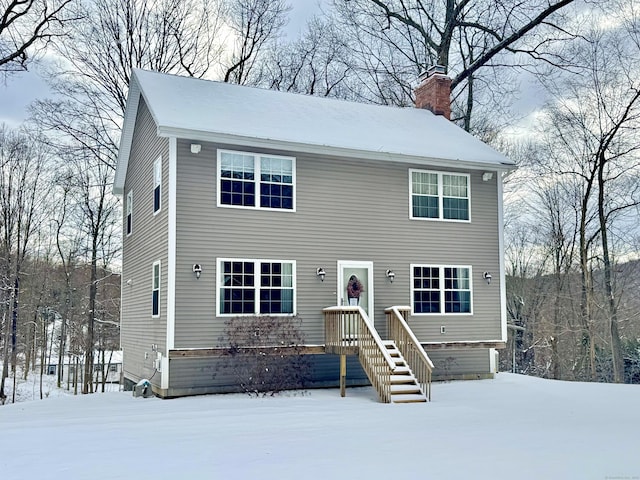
[
  {"x": 73, "y": 366},
  {"x": 244, "y": 201}
]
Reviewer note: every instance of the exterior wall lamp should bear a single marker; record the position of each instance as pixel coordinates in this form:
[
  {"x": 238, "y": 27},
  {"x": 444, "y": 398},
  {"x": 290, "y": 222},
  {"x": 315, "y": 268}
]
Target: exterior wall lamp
[
  {"x": 197, "y": 269},
  {"x": 390, "y": 275},
  {"x": 487, "y": 277},
  {"x": 320, "y": 273}
]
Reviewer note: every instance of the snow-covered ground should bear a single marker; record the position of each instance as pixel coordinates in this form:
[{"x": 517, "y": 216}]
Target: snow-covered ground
[{"x": 513, "y": 427}]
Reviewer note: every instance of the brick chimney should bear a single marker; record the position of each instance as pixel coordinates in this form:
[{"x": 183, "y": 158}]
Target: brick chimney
[{"x": 434, "y": 91}]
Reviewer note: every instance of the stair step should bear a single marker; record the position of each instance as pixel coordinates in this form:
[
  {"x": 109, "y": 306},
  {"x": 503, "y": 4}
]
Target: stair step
[
  {"x": 396, "y": 379},
  {"x": 405, "y": 388},
  {"x": 408, "y": 398}
]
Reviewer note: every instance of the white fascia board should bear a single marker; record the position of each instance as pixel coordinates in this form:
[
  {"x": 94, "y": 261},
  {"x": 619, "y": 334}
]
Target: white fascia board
[
  {"x": 126, "y": 137},
  {"x": 329, "y": 150}
]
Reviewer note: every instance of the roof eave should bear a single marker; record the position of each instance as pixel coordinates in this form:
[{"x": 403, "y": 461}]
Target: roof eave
[
  {"x": 204, "y": 136},
  {"x": 126, "y": 138}
]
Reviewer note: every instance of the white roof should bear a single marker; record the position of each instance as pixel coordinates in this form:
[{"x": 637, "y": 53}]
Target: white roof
[{"x": 196, "y": 109}]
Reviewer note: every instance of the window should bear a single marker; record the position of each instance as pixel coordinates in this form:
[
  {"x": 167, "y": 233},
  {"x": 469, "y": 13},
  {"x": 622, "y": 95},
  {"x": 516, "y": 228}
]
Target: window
[
  {"x": 250, "y": 287},
  {"x": 157, "y": 183},
  {"x": 129, "y": 208},
  {"x": 441, "y": 289},
  {"x": 155, "y": 291},
  {"x": 256, "y": 181},
  {"x": 440, "y": 196}
]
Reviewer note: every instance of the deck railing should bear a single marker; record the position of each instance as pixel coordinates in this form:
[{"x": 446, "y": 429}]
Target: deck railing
[
  {"x": 410, "y": 347},
  {"x": 348, "y": 330}
]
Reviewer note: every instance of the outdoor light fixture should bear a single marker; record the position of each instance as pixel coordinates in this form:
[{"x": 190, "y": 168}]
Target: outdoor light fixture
[
  {"x": 197, "y": 269},
  {"x": 487, "y": 277},
  {"x": 486, "y": 176},
  {"x": 195, "y": 148},
  {"x": 390, "y": 275},
  {"x": 320, "y": 273}
]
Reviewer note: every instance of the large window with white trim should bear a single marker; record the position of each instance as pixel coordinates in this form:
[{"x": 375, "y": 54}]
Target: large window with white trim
[
  {"x": 251, "y": 180},
  {"x": 157, "y": 184},
  {"x": 251, "y": 287},
  {"x": 441, "y": 289},
  {"x": 439, "y": 196},
  {"x": 155, "y": 290}
]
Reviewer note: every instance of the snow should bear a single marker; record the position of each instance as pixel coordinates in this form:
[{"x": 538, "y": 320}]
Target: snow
[
  {"x": 511, "y": 427},
  {"x": 178, "y": 102},
  {"x": 205, "y": 110}
]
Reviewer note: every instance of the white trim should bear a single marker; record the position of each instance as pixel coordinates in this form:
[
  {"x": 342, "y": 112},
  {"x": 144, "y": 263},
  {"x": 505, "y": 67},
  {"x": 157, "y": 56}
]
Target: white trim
[
  {"x": 157, "y": 263},
  {"x": 254, "y": 142},
  {"x": 126, "y": 137},
  {"x": 157, "y": 182},
  {"x": 256, "y": 284},
  {"x": 341, "y": 265},
  {"x": 440, "y": 195},
  {"x": 442, "y": 290},
  {"x": 503, "y": 292},
  {"x": 171, "y": 243},
  {"x": 171, "y": 259},
  {"x": 257, "y": 180}
]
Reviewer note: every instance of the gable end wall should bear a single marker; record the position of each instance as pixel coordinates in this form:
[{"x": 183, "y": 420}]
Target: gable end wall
[{"x": 147, "y": 244}]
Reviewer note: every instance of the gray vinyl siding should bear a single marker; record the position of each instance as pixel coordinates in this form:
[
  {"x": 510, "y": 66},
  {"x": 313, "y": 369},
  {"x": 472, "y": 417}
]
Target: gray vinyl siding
[
  {"x": 346, "y": 210},
  {"x": 192, "y": 376},
  {"x": 146, "y": 245},
  {"x": 454, "y": 363}
]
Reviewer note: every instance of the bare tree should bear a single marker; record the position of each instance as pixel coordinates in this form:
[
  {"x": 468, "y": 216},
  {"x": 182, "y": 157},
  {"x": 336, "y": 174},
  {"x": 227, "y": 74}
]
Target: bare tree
[
  {"x": 26, "y": 27},
  {"x": 397, "y": 39},
  {"x": 592, "y": 141},
  {"x": 255, "y": 25},
  {"x": 22, "y": 171}
]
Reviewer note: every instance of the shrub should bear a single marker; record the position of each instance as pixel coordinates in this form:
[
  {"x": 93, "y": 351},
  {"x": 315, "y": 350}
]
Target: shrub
[{"x": 264, "y": 354}]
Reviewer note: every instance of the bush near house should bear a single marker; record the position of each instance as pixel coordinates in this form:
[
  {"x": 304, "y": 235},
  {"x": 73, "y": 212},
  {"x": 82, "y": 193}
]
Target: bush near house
[{"x": 265, "y": 354}]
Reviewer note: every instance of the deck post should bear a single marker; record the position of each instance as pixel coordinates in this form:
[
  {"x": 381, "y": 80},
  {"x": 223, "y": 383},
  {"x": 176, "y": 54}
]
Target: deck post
[{"x": 343, "y": 375}]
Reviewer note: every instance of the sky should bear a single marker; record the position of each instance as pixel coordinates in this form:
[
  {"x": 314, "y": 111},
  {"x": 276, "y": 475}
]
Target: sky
[
  {"x": 18, "y": 91},
  {"x": 512, "y": 427}
]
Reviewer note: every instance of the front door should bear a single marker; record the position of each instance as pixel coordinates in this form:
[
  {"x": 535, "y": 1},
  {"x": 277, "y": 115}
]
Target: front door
[{"x": 355, "y": 284}]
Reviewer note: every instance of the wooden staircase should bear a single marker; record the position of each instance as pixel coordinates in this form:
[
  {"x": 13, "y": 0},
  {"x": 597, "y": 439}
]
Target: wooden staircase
[
  {"x": 404, "y": 386},
  {"x": 399, "y": 369}
]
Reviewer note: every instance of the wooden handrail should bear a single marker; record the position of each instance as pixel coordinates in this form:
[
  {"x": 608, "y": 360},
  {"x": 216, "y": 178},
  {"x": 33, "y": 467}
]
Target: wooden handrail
[
  {"x": 409, "y": 346},
  {"x": 348, "y": 330}
]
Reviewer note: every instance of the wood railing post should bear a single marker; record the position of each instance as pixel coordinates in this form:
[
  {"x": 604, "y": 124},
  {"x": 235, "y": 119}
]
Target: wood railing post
[
  {"x": 343, "y": 375},
  {"x": 410, "y": 347}
]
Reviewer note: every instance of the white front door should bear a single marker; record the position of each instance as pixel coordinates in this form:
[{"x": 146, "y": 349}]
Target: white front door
[{"x": 355, "y": 284}]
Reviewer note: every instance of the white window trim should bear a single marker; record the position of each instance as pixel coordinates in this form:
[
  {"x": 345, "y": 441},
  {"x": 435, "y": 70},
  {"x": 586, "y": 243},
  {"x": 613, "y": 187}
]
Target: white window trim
[
  {"x": 129, "y": 211},
  {"x": 440, "y": 195},
  {"x": 153, "y": 271},
  {"x": 157, "y": 164},
  {"x": 441, "y": 268},
  {"x": 256, "y": 262},
  {"x": 256, "y": 164}
]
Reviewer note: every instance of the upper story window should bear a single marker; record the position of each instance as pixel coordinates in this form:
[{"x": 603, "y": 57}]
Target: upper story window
[
  {"x": 157, "y": 184},
  {"x": 439, "y": 196},
  {"x": 129, "y": 207},
  {"x": 155, "y": 290},
  {"x": 256, "y": 181},
  {"x": 251, "y": 287},
  {"x": 441, "y": 289}
]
